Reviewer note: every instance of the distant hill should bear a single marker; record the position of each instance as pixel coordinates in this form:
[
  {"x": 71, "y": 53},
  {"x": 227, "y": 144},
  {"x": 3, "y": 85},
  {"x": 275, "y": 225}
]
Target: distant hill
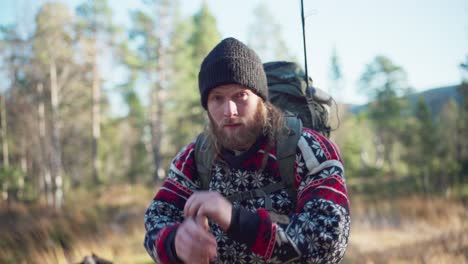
[{"x": 435, "y": 98}]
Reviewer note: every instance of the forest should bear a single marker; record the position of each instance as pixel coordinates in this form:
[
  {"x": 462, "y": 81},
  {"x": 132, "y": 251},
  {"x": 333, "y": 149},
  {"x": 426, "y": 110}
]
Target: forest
[{"x": 92, "y": 113}]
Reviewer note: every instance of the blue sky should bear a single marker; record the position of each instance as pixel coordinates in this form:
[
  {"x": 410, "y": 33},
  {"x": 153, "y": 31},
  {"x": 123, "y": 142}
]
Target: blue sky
[{"x": 428, "y": 39}]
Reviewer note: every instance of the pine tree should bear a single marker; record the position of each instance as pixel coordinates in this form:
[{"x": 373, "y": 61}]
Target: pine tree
[
  {"x": 265, "y": 36},
  {"x": 462, "y": 146},
  {"x": 96, "y": 31},
  {"x": 336, "y": 76},
  {"x": 150, "y": 34},
  {"x": 191, "y": 42},
  {"x": 449, "y": 138},
  {"x": 385, "y": 82},
  {"x": 428, "y": 144}
]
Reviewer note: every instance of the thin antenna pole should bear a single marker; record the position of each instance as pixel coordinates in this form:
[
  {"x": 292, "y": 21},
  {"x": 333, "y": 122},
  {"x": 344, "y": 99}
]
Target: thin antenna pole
[{"x": 305, "y": 46}]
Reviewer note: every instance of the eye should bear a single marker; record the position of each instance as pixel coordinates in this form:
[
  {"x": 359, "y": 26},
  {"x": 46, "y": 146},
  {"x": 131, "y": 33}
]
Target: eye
[
  {"x": 242, "y": 95},
  {"x": 216, "y": 98}
]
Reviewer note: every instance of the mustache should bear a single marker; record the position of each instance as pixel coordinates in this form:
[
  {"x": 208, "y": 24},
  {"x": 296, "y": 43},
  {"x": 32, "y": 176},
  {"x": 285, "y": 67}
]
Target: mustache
[{"x": 230, "y": 121}]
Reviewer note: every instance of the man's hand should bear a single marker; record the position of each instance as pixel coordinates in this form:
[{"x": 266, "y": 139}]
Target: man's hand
[
  {"x": 193, "y": 242},
  {"x": 212, "y": 205}
]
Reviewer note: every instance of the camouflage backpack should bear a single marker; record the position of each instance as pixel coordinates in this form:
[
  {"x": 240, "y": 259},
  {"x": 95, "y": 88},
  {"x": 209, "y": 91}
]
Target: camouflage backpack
[{"x": 303, "y": 105}]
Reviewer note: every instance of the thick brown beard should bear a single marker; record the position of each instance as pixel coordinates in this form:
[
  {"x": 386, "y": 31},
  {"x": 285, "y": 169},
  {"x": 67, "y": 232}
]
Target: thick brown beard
[{"x": 247, "y": 136}]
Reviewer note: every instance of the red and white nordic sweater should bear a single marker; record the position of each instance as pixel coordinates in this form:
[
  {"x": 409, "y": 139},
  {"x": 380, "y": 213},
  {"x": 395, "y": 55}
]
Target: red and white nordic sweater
[{"x": 318, "y": 229}]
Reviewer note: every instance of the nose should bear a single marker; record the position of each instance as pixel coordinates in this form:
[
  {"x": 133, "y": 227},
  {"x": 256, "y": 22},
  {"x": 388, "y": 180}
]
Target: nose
[{"x": 230, "y": 109}]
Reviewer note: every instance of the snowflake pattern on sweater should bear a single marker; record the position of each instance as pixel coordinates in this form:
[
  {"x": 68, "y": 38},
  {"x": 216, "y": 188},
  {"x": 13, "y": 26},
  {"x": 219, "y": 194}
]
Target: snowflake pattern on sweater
[{"x": 319, "y": 225}]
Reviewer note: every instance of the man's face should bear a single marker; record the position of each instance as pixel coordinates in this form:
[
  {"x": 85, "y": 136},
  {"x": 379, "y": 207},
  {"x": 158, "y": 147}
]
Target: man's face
[{"x": 237, "y": 115}]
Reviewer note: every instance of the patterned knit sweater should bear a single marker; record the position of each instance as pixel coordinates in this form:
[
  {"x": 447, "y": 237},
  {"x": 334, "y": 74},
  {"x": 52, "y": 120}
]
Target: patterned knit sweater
[{"x": 318, "y": 227}]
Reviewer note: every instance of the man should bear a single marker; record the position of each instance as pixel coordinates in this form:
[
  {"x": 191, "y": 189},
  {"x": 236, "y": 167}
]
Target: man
[{"x": 243, "y": 127}]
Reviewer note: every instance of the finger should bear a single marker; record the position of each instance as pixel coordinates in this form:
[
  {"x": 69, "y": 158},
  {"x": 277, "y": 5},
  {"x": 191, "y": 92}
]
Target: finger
[
  {"x": 202, "y": 221},
  {"x": 192, "y": 206},
  {"x": 217, "y": 209},
  {"x": 193, "y": 243},
  {"x": 197, "y": 242},
  {"x": 188, "y": 203},
  {"x": 198, "y": 234},
  {"x": 182, "y": 244},
  {"x": 191, "y": 202},
  {"x": 213, "y": 250}
]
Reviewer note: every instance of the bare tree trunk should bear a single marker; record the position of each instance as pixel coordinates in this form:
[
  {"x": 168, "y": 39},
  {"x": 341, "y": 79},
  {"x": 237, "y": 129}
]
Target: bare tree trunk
[
  {"x": 159, "y": 89},
  {"x": 56, "y": 158},
  {"x": 96, "y": 117},
  {"x": 24, "y": 168},
  {"x": 6, "y": 162},
  {"x": 46, "y": 180},
  {"x": 155, "y": 124}
]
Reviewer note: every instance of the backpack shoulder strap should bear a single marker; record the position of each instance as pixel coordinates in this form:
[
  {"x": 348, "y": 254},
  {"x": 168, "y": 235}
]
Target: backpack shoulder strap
[
  {"x": 286, "y": 152},
  {"x": 204, "y": 159}
]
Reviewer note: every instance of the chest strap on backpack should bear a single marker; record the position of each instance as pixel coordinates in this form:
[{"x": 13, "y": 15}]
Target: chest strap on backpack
[{"x": 262, "y": 192}]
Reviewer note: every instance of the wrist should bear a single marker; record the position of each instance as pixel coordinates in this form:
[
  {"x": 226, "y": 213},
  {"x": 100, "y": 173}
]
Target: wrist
[
  {"x": 244, "y": 225},
  {"x": 172, "y": 252}
]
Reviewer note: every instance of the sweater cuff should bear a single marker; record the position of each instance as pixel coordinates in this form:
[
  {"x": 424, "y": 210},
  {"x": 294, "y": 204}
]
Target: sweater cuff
[
  {"x": 244, "y": 226},
  {"x": 169, "y": 245}
]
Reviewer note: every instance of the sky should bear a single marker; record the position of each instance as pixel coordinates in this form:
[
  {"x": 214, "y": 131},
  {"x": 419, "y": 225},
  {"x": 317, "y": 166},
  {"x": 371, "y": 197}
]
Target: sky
[{"x": 428, "y": 39}]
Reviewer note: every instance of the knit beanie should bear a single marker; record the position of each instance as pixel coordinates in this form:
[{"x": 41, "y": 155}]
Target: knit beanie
[{"x": 231, "y": 61}]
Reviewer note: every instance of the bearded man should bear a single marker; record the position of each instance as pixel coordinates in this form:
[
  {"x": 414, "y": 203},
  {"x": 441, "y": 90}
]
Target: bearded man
[{"x": 188, "y": 224}]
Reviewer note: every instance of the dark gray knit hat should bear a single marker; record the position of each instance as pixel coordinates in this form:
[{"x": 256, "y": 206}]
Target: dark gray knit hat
[{"x": 231, "y": 61}]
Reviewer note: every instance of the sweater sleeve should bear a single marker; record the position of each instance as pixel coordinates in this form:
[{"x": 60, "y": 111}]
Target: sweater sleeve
[
  {"x": 318, "y": 230},
  {"x": 165, "y": 212}
]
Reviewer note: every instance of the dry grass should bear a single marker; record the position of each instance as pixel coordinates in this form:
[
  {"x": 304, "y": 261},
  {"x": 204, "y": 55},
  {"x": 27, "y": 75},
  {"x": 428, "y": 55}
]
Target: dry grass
[
  {"x": 118, "y": 247},
  {"x": 109, "y": 223},
  {"x": 410, "y": 230}
]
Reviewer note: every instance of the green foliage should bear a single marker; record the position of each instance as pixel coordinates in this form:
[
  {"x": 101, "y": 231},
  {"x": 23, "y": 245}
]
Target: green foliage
[
  {"x": 385, "y": 82},
  {"x": 54, "y": 37},
  {"x": 426, "y": 129},
  {"x": 205, "y": 35},
  {"x": 124, "y": 151},
  {"x": 142, "y": 33},
  {"x": 383, "y": 78},
  {"x": 11, "y": 177},
  {"x": 113, "y": 149},
  {"x": 146, "y": 56},
  {"x": 184, "y": 113},
  {"x": 96, "y": 16},
  {"x": 462, "y": 143},
  {"x": 191, "y": 42},
  {"x": 335, "y": 68},
  {"x": 336, "y": 75},
  {"x": 351, "y": 145},
  {"x": 13, "y": 184},
  {"x": 139, "y": 164},
  {"x": 355, "y": 140},
  {"x": 265, "y": 36},
  {"x": 421, "y": 144}
]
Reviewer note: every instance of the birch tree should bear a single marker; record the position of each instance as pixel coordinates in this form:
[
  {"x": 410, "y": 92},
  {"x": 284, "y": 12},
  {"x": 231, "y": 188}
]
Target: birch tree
[{"x": 52, "y": 47}]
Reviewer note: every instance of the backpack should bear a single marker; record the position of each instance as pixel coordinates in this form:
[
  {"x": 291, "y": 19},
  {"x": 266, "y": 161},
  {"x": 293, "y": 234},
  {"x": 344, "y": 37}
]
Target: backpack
[
  {"x": 287, "y": 89},
  {"x": 303, "y": 106}
]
